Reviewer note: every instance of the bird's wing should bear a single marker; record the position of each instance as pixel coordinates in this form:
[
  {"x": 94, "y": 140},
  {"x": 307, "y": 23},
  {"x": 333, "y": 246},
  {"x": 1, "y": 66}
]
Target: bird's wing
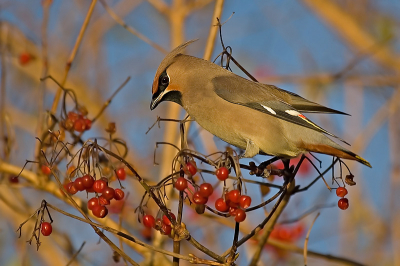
[
  {"x": 299, "y": 103},
  {"x": 258, "y": 97}
]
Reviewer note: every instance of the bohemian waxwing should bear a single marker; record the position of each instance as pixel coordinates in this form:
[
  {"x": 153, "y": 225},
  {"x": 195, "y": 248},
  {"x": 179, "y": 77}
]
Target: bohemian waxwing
[{"x": 256, "y": 117}]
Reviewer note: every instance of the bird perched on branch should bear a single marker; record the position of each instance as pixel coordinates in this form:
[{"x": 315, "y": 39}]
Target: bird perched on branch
[{"x": 256, "y": 117}]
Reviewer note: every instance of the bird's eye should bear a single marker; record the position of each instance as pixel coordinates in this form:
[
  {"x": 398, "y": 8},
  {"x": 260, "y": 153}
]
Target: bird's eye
[{"x": 164, "y": 80}]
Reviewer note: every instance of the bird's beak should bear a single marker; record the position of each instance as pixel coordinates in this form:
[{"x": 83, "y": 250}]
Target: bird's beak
[
  {"x": 156, "y": 100},
  {"x": 153, "y": 104}
]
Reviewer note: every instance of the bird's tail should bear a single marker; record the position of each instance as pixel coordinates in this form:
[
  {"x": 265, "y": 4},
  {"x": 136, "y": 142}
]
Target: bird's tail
[{"x": 335, "y": 149}]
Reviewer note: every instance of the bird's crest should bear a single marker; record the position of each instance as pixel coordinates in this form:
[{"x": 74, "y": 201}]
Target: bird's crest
[{"x": 169, "y": 58}]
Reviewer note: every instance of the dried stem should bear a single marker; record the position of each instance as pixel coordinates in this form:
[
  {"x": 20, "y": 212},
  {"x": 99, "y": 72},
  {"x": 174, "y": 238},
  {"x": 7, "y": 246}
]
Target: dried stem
[
  {"x": 45, "y": 69},
  {"x": 213, "y": 29},
  {"x": 276, "y": 212},
  {"x": 76, "y": 254},
  {"x": 73, "y": 54},
  {"x": 306, "y": 240}
]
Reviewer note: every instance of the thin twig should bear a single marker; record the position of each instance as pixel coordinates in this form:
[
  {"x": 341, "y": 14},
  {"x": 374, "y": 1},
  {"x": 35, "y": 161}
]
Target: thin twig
[
  {"x": 73, "y": 54},
  {"x": 131, "y": 29},
  {"x": 107, "y": 103},
  {"x": 306, "y": 240},
  {"x": 305, "y": 214},
  {"x": 76, "y": 254}
]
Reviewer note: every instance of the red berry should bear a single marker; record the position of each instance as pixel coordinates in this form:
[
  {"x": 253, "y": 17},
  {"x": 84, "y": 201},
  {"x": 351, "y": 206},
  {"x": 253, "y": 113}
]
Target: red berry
[
  {"x": 46, "y": 228},
  {"x": 108, "y": 193},
  {"x": 73, "y": 117},
  {"x": 93, "y": 202},
  {"x": 166, "y": 220},
  {"x": 166, "y": 229},
  {"x": 71, "y": 189},
  {"x": 198, "y": 199},
  {"x": 119, "y": 194},
  {"x": 181, "y": 184},
  {"x": 240, "y": 215},
  {"x": 99, "y": 186},
  {"x": 206, "y": 190},
  {"x": 234, "y": 196},
  {"x": 341, "y": 192},
  {"x": 87, "y": 181},
  {"x": 121, "y": 173},
  {"x": 191, "y": 167},
  {"x": 222, "y": 173},
  {"x": 78, "y": 183},
  {"x": 103, "y": 201},
  {"x": 25, "y": 58},
  {"x": 100, "y": 211},
  {"x": 13, "y": 179},
  {"x": 221, "y": 205},
  {"x": 149, "y": 221},
  {"x": 232, "y": 211},
  {"x": 343, "y": 203},
  {"x": 79, "y": 125},
  {"x": 46, "y": 169},
  {"x": 88, "y": 123},
  {"x": 244, "y": 201}
]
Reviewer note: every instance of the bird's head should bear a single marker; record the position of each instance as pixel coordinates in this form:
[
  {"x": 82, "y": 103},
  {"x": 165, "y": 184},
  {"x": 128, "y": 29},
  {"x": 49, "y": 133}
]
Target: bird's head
[{"x": 165, "y": 85}]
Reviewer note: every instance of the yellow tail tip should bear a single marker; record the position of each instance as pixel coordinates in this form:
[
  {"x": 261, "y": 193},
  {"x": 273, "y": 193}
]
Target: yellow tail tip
[{"x": 363, "y": 161}]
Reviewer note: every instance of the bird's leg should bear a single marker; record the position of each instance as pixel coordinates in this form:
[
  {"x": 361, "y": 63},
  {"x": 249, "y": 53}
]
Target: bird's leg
[
  {"x": 287, "y": 170},
  {"x": 251, "y": 150},
  {"x": 286, "y": 163}
]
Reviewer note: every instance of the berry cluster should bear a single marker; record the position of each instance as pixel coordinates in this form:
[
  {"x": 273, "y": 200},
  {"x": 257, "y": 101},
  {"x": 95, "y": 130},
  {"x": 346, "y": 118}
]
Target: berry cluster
[
  {"x": 201, "y": 196},
  {"x": 104, "y": 193},
  {"x": 77, "y": 121},
  {"x": 343, "y": 203},
  {"x": 232, "y": 202},
  {"x": 163, "y": 225},
  {"x": 235, "y": 204}
]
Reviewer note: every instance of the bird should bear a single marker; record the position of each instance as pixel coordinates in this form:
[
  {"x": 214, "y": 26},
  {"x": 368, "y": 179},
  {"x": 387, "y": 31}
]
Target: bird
[{"x": 255, "y": 117}]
